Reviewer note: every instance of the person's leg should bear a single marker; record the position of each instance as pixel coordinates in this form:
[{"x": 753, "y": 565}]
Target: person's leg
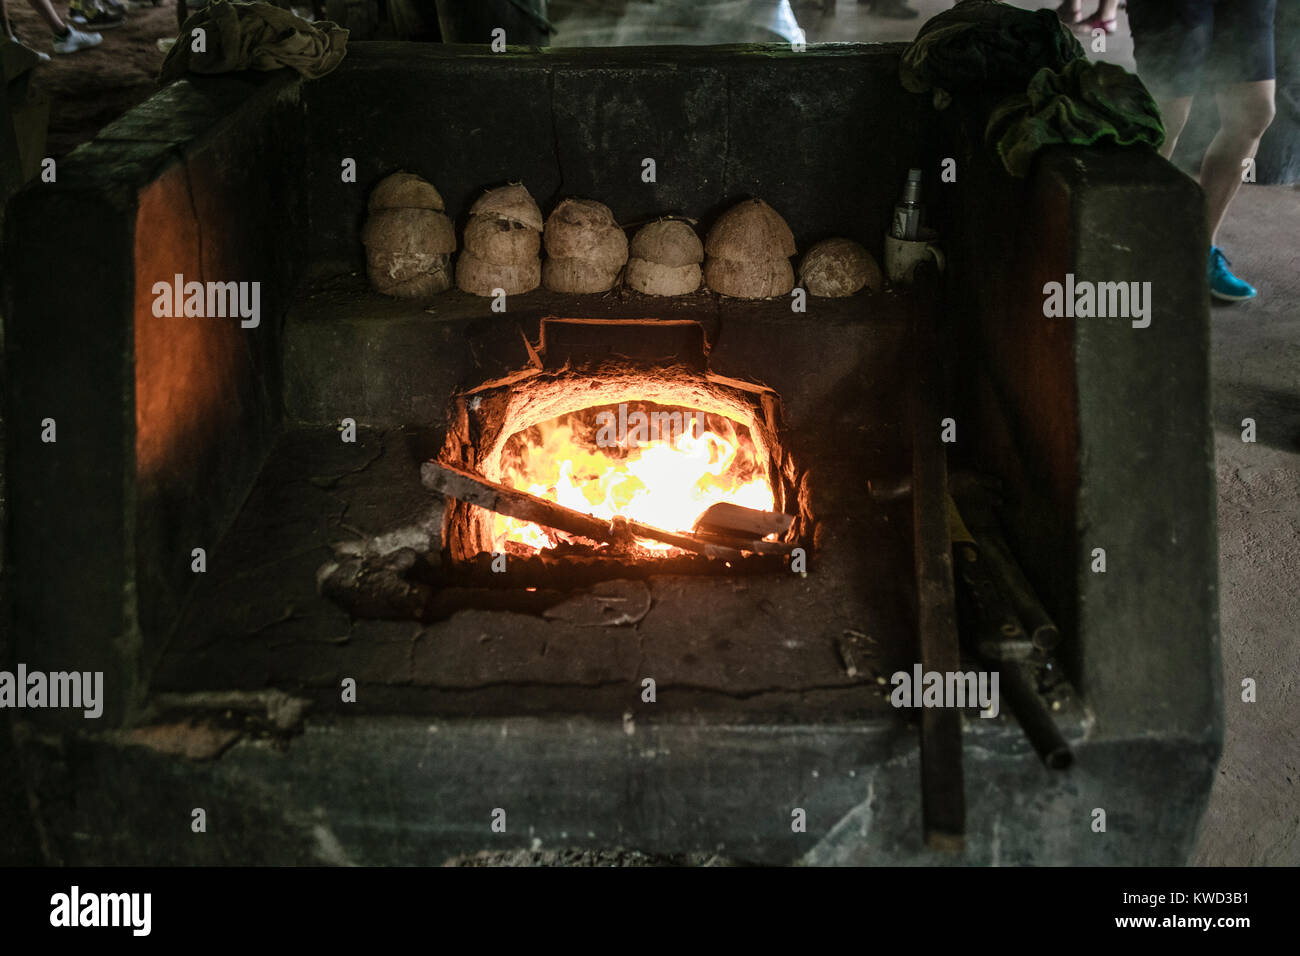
[
  {"x": 1245, "y": 111},
  {"x": 45, "y": 10},
  {"x": 892, "y": 9},
  {"x": 1171, "y": 42},
  {"x": 66, "y": 39},
  {"x": 1071, "y": 11},
  {"x": 1243, "y": 67},
  {"x": 1173, "y": 113},
  {"x": 1105, "y": 17}
]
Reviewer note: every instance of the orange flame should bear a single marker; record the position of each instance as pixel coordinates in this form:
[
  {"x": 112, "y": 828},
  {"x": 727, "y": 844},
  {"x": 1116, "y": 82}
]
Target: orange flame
[{"x": 667, "y": 481}]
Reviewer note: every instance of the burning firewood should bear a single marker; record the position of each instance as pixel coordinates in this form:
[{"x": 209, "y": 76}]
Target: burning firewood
[
  {"x": 734, "y": 521},
  {"x": 472, "y": 489}
]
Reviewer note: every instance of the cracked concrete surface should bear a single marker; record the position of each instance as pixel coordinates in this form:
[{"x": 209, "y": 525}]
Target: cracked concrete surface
[{"x": 1254, "y": 812}]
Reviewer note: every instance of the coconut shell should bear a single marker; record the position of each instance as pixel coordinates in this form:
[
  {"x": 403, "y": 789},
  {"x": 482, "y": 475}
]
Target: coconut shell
[
  {"x": 751, "y": 231},
  {"x": 404, "y": 190},
  {"x": 409, "y": 230},
  {"x": 502, "y": 241},
  {"x": 585, "y": 229},
  {"x": 652, "y": 278},
  {"x": 749, "y": 280},
  {"x": 582, "y": 213},
  {"x": 408, "y": 275},
  {"x": 482, "y": 278},
  {"x": 577, "y": 275},
  {"x": 509, "y": 202},
  {"x": 839, "y": 267},
  {"x": 667, "y": 242}
]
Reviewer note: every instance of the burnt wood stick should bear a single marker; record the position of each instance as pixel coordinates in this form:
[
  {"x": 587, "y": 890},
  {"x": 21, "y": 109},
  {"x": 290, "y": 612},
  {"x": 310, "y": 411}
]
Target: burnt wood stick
[
  {"x": 775, "y": 548},
  {"x": 943, "y": 798},
  {"x": 475, "y": 490}
]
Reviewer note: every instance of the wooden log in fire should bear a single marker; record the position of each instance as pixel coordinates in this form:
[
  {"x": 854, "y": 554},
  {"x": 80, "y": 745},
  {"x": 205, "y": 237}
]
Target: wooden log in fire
[
  {"x": 475, "y": 490},
  {"x": 734, "y": 521}
]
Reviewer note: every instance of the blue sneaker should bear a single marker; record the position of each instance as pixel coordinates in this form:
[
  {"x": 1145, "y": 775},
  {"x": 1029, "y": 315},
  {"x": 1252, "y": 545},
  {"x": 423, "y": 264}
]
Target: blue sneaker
[{"x": 1223, "y": 284}]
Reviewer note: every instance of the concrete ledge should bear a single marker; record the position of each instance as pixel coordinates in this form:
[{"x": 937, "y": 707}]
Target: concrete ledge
[{"x": 416, "y": 792}]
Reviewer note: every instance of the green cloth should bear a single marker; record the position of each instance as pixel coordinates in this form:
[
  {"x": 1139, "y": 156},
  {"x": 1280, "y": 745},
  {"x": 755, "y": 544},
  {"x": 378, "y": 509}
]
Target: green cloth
[
  {"x": 1033, "y": 68},
  {"x": 985, "y": 47},
  {"x": 254, "y": 36},
  {"x": 1085, "y": 103}
]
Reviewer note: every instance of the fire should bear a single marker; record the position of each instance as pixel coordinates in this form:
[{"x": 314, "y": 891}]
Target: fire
[{"x": 662, "y": 467}]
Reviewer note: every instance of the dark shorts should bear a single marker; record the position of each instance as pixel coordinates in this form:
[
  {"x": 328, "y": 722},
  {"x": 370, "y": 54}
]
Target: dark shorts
[{"x": 1180, "y": 43}]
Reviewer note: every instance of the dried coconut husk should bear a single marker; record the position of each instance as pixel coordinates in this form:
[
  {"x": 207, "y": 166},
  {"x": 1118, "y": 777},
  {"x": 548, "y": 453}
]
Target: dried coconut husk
[
  {"x": 512, "y": 202},
  {"x": 407, "y": 251},
  {"x": 407, "y": 275},
  {"x": 502, "y": 241},
  {"x": 409, "y": 230},
  {"x": 652, "y": 278},
  {"x": 403, "y": 190},
  {"x": 577, "y": 275},
  {"x": 751, "y": 231},
  {"x": 483, "y": 278},
  {"x": 667, "y": 242},
  {"x": 839, "y": 267},
  {"x": 749, "y": 280},
  {"x": 585, "y": 229}
]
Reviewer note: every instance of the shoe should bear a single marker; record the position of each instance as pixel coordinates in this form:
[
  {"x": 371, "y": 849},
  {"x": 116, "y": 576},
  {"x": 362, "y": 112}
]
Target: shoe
[
  {"x": 40, "y": 57},
  {"x": 894, "y": 10},
  {"x": 1223, "y": 284},
  {"x": 76, "y": 40},
  {"x": 98, "y": 19}
]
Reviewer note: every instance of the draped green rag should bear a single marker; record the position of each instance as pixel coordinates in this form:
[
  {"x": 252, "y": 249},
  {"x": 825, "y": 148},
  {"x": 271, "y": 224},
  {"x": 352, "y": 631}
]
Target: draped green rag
[
  {"x": 1049, "y": 92},
  {"x": 254, "y": 36}
]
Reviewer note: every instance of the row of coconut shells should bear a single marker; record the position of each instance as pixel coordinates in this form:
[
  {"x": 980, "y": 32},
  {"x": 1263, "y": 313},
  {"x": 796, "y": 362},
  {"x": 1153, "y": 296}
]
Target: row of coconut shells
[{"x": 409, "y": 241}]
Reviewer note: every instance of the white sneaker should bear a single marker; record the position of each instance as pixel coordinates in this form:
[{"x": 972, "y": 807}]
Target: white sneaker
[
  {"x": 76, "y": 40},
  {"x": 40, "y": 57}
]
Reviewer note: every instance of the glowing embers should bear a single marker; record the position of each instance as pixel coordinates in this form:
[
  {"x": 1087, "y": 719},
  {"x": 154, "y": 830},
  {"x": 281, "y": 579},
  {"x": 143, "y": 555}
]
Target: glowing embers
[{"x": 656, "y": 464}]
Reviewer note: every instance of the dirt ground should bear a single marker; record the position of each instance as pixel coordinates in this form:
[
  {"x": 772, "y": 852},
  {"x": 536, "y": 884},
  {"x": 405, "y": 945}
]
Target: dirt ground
[
  {"x": 1254, "y": 812},
  {"x": 91, "y": 88}
]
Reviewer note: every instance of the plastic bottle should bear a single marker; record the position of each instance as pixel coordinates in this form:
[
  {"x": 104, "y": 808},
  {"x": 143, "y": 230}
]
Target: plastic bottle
[{"x": 907, "y": 214}]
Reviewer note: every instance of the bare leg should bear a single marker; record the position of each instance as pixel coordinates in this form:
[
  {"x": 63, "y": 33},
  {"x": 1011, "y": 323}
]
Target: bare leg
[
  {"x": 1106, "y": 10},
  {"x": 1071, "y": 11},
  {"x": 1245, "y": 111},
  {"x": 46, "y": 11},
  {"x": 1173, "y": 113}
]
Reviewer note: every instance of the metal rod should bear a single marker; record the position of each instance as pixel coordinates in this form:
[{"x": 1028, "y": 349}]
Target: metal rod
[
  {"x": 1042, "y": 632},
  {"x": 1017, "y": 684}
]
